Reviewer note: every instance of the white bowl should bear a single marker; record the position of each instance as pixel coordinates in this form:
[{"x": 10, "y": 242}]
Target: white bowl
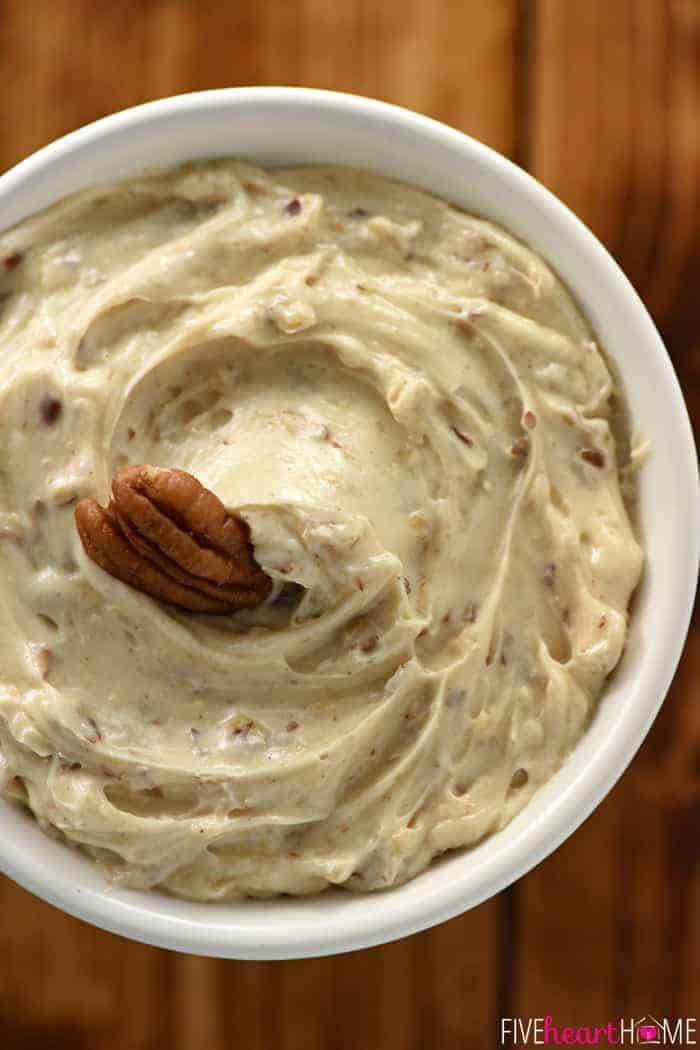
[{"x": 291, "y": 125}]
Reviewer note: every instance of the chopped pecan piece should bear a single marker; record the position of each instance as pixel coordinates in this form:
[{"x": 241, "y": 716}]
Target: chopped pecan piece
[
  {"x": 593, "y": 456},
  {"x": 167, "y": 535},
  {"x": 464, "y": 438},
  {"x": 50, "y": 409},
  {"x": 520, "y": 446}
]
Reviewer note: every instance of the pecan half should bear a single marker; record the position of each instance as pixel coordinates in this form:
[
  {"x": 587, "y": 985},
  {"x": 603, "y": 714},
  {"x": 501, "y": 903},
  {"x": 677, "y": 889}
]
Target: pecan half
[{"x": 167, "y": 535}]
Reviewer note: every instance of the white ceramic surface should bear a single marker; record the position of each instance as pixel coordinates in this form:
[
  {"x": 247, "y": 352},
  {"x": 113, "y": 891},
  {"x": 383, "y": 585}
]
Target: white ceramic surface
[{"x": 288, "y": 125}]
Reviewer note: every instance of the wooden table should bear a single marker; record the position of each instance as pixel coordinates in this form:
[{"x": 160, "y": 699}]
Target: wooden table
[{"x": 600, "y": 99}]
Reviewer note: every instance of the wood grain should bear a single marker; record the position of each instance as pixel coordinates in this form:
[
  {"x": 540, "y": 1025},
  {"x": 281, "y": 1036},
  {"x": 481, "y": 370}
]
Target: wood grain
[
  {"x": 623, "y": 152},
  {"x": 601, "y": 100}
]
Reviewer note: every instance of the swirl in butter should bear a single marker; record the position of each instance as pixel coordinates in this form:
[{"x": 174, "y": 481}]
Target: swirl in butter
[{"x": 409, "y": 411}]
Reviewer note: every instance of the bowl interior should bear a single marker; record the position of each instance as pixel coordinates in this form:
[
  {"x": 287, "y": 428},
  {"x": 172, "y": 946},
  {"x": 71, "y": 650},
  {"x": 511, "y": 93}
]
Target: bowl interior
[{"x": 285, "y": 126}]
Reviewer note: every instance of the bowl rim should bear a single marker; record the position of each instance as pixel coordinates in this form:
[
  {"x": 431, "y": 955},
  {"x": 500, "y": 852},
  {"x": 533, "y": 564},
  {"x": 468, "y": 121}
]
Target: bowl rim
[{"x": 207, "y": 928}]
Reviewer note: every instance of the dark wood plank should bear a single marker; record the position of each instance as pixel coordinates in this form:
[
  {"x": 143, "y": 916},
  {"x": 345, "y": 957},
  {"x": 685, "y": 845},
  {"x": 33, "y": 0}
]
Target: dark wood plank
[
  {"x": 608, "y": 925},
  {"x": 64, "y": 984}
]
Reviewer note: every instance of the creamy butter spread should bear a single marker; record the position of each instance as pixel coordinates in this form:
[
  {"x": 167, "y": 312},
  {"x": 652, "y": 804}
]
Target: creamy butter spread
[{"x": 409, "y": 411}]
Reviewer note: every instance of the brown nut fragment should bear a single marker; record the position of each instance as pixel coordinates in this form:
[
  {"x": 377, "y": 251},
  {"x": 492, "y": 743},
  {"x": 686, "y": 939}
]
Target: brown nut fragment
[
  {"x": 167, "y": 535},
  {"x": 521, "y": 446},
  {"x": 593, "y": 456}
]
